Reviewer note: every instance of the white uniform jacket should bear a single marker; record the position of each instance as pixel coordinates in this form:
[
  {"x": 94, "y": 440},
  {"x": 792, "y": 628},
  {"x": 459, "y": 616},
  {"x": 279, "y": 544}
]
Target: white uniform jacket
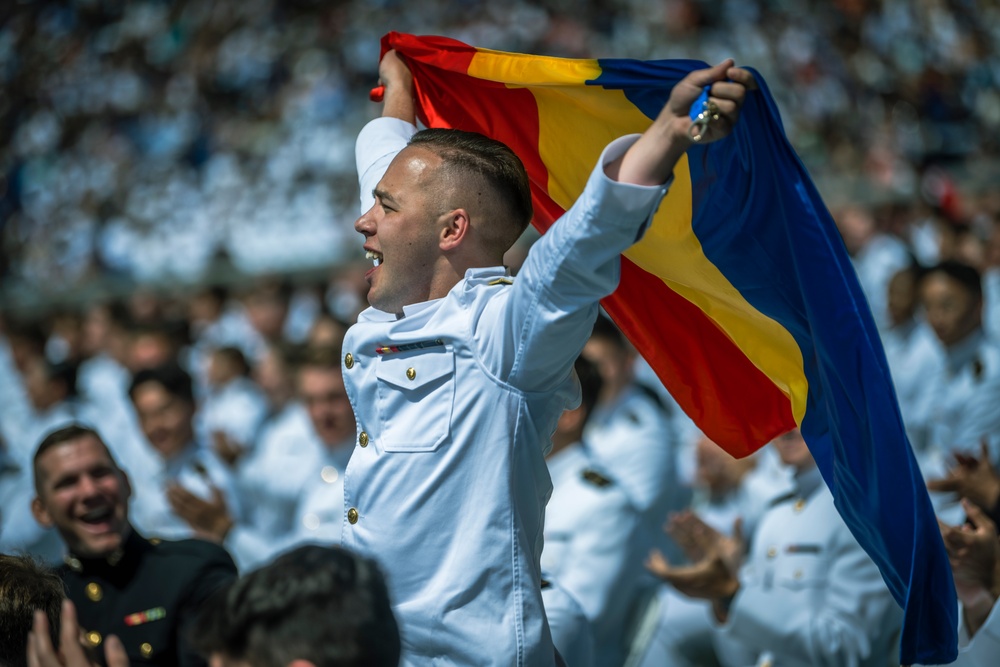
[{"x": 448, "y": 484}]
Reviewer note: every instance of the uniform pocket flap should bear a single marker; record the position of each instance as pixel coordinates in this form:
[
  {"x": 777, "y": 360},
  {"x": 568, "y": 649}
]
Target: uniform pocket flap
[{"x": 417, "y": 369}]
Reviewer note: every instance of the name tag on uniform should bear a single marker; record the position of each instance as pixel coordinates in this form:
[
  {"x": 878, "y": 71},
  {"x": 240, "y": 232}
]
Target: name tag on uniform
[
  {"x": 803, "y": 549},
  {"x": 140, "y": 617}
]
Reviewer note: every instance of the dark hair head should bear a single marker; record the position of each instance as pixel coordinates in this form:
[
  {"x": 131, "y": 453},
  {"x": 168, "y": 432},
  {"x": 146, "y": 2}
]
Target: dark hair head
[
  {"x": 63, "y": 372},
  {"x": 60, "y": 436},
  {"x": 605, "y": 329},
  {"x": 174, "y": 379},
  {"x": 323, "y": 357},
  {"x": 235, "y": 357},
  {"x": 590, "y": 384},
  {"x": 965, "y": 275},
  {"x": 26, "y": 585},
  {"x": 322, "y": 604},
  {"x": 481, "y": 162}
]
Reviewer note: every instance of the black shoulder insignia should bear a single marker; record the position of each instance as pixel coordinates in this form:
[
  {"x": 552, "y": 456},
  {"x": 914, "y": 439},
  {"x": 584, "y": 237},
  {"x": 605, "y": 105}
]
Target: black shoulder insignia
[
  {"x": 596, "y": 478},
  {"x": 977, "y": 369},
  {"x": 632, "y": 417}
]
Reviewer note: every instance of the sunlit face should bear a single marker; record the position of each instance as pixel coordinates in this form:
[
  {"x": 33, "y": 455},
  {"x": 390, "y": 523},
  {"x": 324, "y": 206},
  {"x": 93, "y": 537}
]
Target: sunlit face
[
  {"x": 400, "y": 231},
  {"x": 613, "y": 363},
  {"x": 323, "y": 393},
  {"x": 84, "y": 495},
  {"x": 793, "y": 451},
  {"x": 952, "y": 311},
  {"x": 716, "y": 470},
  {"x": 165, "y": 419},
  {"x": 902, "y": 293}
]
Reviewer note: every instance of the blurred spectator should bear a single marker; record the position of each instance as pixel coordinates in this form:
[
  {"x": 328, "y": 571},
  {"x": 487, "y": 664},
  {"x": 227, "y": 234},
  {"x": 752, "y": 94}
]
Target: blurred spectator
[
  {"x": 233, "y": 409},
  {"x": 912, "y": 351},
  {"x": 164, "y": 402},
  {"x": 591, "y": 529},
  {"x": 803, "y": 564},
  {"x": 146, "y": 592},
  {"x": 959, "y": 403}
]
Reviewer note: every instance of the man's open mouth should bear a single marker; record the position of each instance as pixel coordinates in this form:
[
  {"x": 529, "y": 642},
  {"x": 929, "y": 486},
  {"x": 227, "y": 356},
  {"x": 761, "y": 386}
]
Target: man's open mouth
[
  {"x": 98, "y": 516},
  {"x": 376, "y": 257}
]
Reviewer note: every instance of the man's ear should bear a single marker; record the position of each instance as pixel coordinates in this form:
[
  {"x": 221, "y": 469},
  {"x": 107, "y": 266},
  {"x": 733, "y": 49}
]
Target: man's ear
[
  {"x": 455, "y": 227},
  {"x": 40, "y": 512}
]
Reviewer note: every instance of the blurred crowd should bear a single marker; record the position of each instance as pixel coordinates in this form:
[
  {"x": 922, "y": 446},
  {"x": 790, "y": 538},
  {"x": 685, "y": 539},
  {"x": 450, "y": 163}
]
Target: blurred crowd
[
  {"x": 153, "y": 141},
  {"x": 147, "y": 141}
]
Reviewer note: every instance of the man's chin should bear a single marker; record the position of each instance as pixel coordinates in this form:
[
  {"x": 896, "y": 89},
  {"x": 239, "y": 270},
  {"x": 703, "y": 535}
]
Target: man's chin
[{"x": 98, "y": 546}]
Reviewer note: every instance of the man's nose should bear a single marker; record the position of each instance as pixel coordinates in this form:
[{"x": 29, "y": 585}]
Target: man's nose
[
  {"x": 366, "y": 223},
  {"x": 88, "y": 486}
]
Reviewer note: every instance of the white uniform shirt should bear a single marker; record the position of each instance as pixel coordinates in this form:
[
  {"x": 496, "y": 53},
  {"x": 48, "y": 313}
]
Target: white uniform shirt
[
  {"x": 236, "y": 409},
  {"x": 197, "y": 470},
  {"x": 591, "y": 547},
  {"x": 915, "y": 355},
  {"x": 809, "y": 594},
  {"x": 449, "y": 488},
  {"x": 571, "y": 632}
]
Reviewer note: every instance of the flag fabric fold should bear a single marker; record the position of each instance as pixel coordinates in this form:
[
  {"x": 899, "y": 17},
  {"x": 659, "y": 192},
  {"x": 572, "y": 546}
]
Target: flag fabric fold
[{"x": 740, "y": 295}]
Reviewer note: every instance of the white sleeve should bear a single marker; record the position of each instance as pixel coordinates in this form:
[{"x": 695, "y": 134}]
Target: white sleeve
[
  {"x": 378, "y": 143},
  {"x": 553, "y": 301}
]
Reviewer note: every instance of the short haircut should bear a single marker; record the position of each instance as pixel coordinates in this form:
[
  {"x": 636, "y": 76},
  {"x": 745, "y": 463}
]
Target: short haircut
[
  {"x": 26, "y": 585},
  {"x": 60, "y": 436},
  {"x": 323, "y": 357},
  {"x": 322, "y": 604},
  {"x": 470, "y": 155},
  {"x": 591, "y": 384},
  {"x": 965, "y": 275},
  {"x": 174, "y": 379}
]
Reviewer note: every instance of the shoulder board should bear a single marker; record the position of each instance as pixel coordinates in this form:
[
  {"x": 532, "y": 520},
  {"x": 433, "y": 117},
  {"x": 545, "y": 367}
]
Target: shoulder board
[
  {"x": 500, "y": 281},
  {"x": 595, "y": 478}
]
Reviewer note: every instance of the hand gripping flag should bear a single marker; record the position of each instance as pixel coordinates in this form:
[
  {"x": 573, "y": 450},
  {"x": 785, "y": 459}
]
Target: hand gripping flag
[{"x": 740, "y": 295}]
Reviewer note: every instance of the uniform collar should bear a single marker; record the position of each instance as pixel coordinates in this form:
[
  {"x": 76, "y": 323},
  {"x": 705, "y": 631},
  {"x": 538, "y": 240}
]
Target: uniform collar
[
  {"x": 807, "y": 482},
  {"x": 471, "y": 276},
  {"x": 120, "y": 564}
]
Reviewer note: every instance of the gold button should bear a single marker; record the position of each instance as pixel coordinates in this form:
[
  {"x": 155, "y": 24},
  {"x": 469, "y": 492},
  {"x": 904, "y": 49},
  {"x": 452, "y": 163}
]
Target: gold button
[
  {"x": 800, "y": 505},
  {"x": 363, "y": 439},
  {"x": 349, "y": 360},
  {"x": 155, "y": 541},
  {"x": 411, "y": 373},
  {"x": 798, "y": 574},
  {"x": 94, "y": 592},
  {"x": 772, "y": 552},
  {"x": 94, "y": 638},
  {"x": 352, "y": 516},
  {"x": 145, "y": 649}
]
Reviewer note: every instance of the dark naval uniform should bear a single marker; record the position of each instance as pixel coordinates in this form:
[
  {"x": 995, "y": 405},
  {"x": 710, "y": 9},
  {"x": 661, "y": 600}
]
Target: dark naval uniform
[{"x": 148, "y": 594}]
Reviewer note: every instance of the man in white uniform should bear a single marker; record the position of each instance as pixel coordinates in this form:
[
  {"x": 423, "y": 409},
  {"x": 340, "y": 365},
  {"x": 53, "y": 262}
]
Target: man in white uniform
[{"x": 457, "y": 373}]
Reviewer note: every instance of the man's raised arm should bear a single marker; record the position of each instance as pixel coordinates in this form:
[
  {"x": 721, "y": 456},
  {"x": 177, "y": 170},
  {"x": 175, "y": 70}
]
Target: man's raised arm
[{"x": 382, "y": 138}]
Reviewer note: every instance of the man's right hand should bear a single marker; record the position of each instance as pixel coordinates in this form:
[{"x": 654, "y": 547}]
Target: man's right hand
[{"x": 397, "y": 79}]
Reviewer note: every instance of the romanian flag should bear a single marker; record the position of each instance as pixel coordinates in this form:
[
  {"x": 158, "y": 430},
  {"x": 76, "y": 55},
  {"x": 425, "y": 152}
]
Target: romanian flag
[{"x": 740, "y": 295}]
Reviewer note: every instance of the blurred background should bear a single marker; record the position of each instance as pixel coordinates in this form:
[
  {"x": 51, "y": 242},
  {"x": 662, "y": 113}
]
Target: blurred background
[{"x": 151, "y": 149}]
